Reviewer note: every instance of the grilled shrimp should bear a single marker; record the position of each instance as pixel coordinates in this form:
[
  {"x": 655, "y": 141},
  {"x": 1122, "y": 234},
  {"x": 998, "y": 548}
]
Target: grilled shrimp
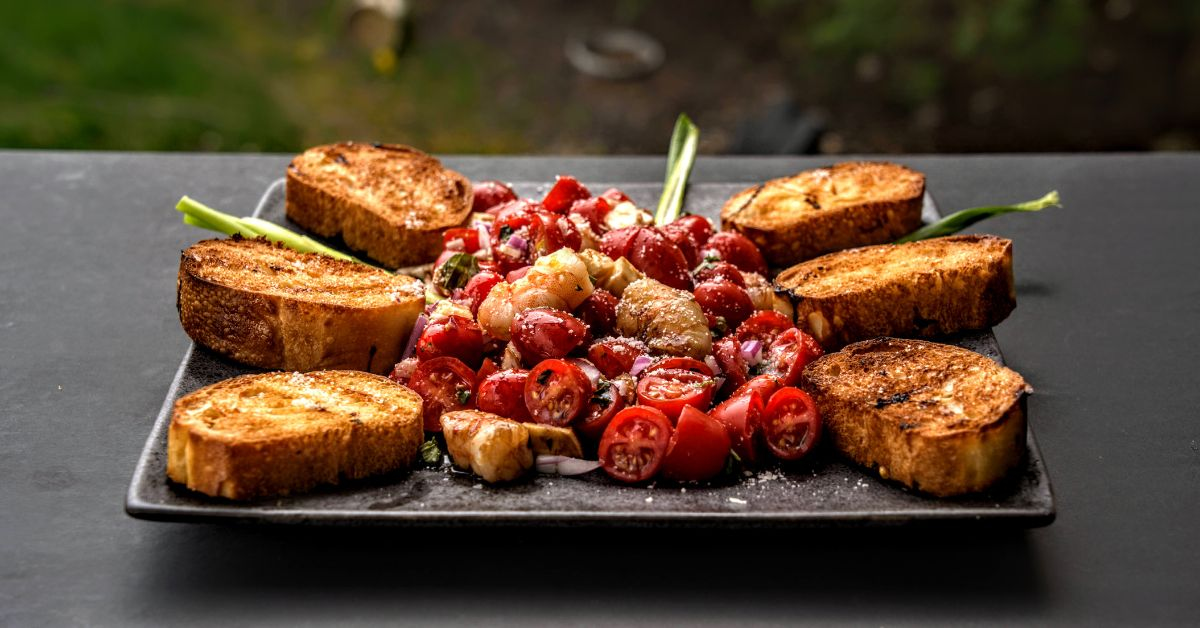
[
  {"x": 763, "y": 295},
  {"x": 563, "y": 274},
  {"x": 667, "y": 320},
  {"x": 490, "y": 446},
  {"x": 610, "y": 275},
  {"x": 559, "y": 280}
]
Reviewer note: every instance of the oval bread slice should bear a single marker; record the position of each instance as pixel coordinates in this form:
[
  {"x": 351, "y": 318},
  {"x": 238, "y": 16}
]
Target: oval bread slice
[
  {"x": 269, "y": 306},
  {"x": 925, "y": 289},
  {"x": 827, "y": 209},
  {"x": 388, "y": 200},
  {"x": 278, "y": 433},
  {"x": 934, "y": 417}
]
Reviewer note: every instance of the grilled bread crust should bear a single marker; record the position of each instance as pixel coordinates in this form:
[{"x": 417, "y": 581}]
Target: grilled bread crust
[
  {"x": 924, "y": 289},
  {"x": 391, "y": 201},
  {"x": 278, "y": 433},
  {"x": 936, "y": 418},
  {"x": 268, "y": 306},
  {"x": 827, "y": 209}
]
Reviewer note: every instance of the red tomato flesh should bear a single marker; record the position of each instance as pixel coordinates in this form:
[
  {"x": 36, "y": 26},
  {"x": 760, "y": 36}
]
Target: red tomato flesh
[
  {"x": 789, "y": 354},
  {"x": 445, "y": 384},
  {"x": 557, "y": 392},
  {"x": 566, "y": 190},
  {"x": 680, "y": 363},
  {"x": 698, "y": 449},
  {"x": 671, "y": 390},
  {"x": 763, "y": 326},
  {"x": 479, "y": 286},
  {"x": 600, "y": 412},
  {"x": 741, "y": 417},
  {"x": 614, "y": 356},
  {"x": 634, "y": 444},
  {"x": 792, "y": 424},
  {"x": 468, "y": 239}
]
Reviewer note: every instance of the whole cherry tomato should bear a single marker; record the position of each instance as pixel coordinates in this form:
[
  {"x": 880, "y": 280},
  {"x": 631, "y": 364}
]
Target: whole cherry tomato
[
  {"x": 671, "y": 390},
  {"x": 503, "y": 393},
  {"x": 764, "y": 326},
  {"x": 445, "y": 385},
  {"x": 724, "y": 299},
  {"x": 488, "y": 194},
  {"x": 614, "y": 356},
  {"x": 789, "y": 353},
  {"x": 479, "y": 286},
  {"x": 700, "y": 227},
  {"x": 454, "y": 336},
  {"x": 614, "y": 196},
  {"x": 566, "y": 190},
  {"x": 543, "y": 333},
  {"x": 599, "y": 312},
  {"x": 741, "y": 416},
  {"x": 719, "y": 271},
  {"x": 737, "y": 249},
  {"x": 682, "y": 238},
  {"x": 650, "y": 252},
  {"x": 698, "y": 449},
  {"x": 557, "y": 392},
  {"x": 792, "y": 424},
  {"x": 635, "y": 444}
]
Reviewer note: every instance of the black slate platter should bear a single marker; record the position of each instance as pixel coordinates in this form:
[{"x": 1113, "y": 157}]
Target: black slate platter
[{"x": 826, "y": 492}]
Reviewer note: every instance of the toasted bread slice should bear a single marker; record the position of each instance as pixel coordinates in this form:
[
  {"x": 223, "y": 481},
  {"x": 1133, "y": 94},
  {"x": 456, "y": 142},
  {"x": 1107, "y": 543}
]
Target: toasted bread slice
[
  {"x": 924, "y": 289},
  {"x": 393, "y": 202},
  {"x": 491, "y": 446},
  {"x": 268, "y": 306},
  {"x": 827, "y": 209},
  {"x": 278, "y": 433},
  {"x": 934, "y": 417}
]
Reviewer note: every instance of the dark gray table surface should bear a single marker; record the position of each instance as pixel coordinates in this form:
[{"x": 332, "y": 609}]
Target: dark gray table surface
[{"x": 1105, "y": 329}]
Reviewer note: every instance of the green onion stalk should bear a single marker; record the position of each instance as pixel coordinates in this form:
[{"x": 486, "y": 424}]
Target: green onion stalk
[
  {"x": 962, "y": 219},
  {"x": 680, "y": 156}
]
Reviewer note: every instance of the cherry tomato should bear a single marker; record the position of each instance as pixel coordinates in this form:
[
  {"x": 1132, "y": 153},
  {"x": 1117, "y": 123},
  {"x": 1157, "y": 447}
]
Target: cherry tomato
[
  {"x": 468, "y": 237},
  {"x": 679, "y": 363},
  {"x": 599, "y": 312},
  {"x": 604, "y": 405},
  {"x": 454, "y": 336},
  {"x": 543, "y": 333},
  {"x": 792, "y": 425},
  {"x": 557, "y": 232},
  {"x": 699, "y": 227},
  {"x": 445, "y": 384},
  {"x": 765, "y": 385},
  {"x": 634, "y": 444},
  {"x": 719, "y": 271},
  {"x": 682, "y": 238},
  {"x": 616, "y": 243},
  {"x": 698, "y": 449},
  {"x": 764, "y": 326},
  {"x": 614, "y": 196},
  {"x": 728, "y": 352},
  {"x": 736, "y": 249},
  {"x": 478, "y": 288},
  {"x": 488, "y": 367},
  {"x": 789, "y": 353},
  {"x": 557, "y": 392},
  {"x": 670, "y": 390},
  {"x": 510, "y": 217},
  {"x": 614, "y": 356},
  {"x": 503, "y": 393},
  {"x": 726, "y": 300},
  {"x": 488, "y": 194},
  {"x": 566, "y": 190},
  {"x": 741, "y": 416},
  {"x": 594, "y": 210},
  {"x": 650, "y": 252}
]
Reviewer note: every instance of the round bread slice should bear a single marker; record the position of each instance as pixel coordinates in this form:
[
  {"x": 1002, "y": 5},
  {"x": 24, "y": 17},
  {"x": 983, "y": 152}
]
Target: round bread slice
[
  {"x": 278, "y": 433},
  {"x": 850, "y": 204},
  {"x": 934, "y": 417},
  {"x": 269, "y": 306},
  {"x": 391, "y": 201}
]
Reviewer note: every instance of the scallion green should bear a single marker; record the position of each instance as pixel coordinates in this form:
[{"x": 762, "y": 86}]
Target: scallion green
[
  {"x": 962, "y": 219},
  {"x": 680, "y": 156}
]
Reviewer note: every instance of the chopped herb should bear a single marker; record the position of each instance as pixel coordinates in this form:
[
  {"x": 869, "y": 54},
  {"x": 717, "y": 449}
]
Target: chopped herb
[
  {"x": 733, "y": 465},
  {"x": 431, "y": 452},
  {"x": 544, "y": 376},
  {"x": 711, "y": 258},
  {"x": 505, "y": 232},
  {"x": 603, "y": 395},
  {"x": 463, "y": 395},
  {"x": 456, "y": 272},
  {"x": 705, "y": 383}
]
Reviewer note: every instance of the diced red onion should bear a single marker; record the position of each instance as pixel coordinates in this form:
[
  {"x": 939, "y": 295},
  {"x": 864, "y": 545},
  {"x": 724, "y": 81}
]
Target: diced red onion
[
  {"x": 712, "y": 364},
  {"x": 639, "y": 364},
  {"x": 412, "y": 338},
  {"x": 562, "y": 465},
  {"x": 517, "y": 242},
  {"x": 588, "y": 369},
  {"x": 752, "y": 352}
]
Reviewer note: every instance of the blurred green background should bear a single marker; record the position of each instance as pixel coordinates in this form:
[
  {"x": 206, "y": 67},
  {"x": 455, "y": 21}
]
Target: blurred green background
[{"x": 491, "y": 77}]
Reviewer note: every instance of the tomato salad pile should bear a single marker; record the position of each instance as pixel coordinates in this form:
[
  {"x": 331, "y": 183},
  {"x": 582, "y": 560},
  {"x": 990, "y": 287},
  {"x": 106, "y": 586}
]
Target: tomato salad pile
[{"x": 523, "y": 323}]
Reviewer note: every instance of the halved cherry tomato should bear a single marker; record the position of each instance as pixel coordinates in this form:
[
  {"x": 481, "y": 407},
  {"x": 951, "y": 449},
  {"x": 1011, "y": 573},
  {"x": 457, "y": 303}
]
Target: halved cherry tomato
[
  {"x": 789, "y": 354},
  {"x": 765, "y": 385},
  {"x": 488, "y": 367},
  {"x": 604, "y": 405},
  {"x": 593, "y": 210},
  {"x": 469, "y": 239},
  {"x": 728, "y": 352},
  {"x": 478, "y": 288},
  {"x": 672, "y": 389},
  {"x": 543, "y": 333},
  {"x": 741, "y": 416},
  {"x": 792, "y": 424},
  {"x": 764, "y": 326},
  {"x": 736, "y": 249},
  {"x": 719, "y": 271},
  {"x": 614, "y": 356},
  {"x": 680, "y": 363},
  {"x": 726, "y": 300},
  {"x": 488, "y": 194},
  {"x": 614, "y": 196},
  {"x": 698, "y": 449},
  {"x": 557, "y": 392},
  {"x": 634, "y": 444},
  {"x": 503, "y": 393},
  {"x": 566, "y": 190},
  {"x": 454, "y": 336},
  {"x": 445, "y": 384},
  {"x": 557, "y": 232},
  {"x": 599, "y": 312}
]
